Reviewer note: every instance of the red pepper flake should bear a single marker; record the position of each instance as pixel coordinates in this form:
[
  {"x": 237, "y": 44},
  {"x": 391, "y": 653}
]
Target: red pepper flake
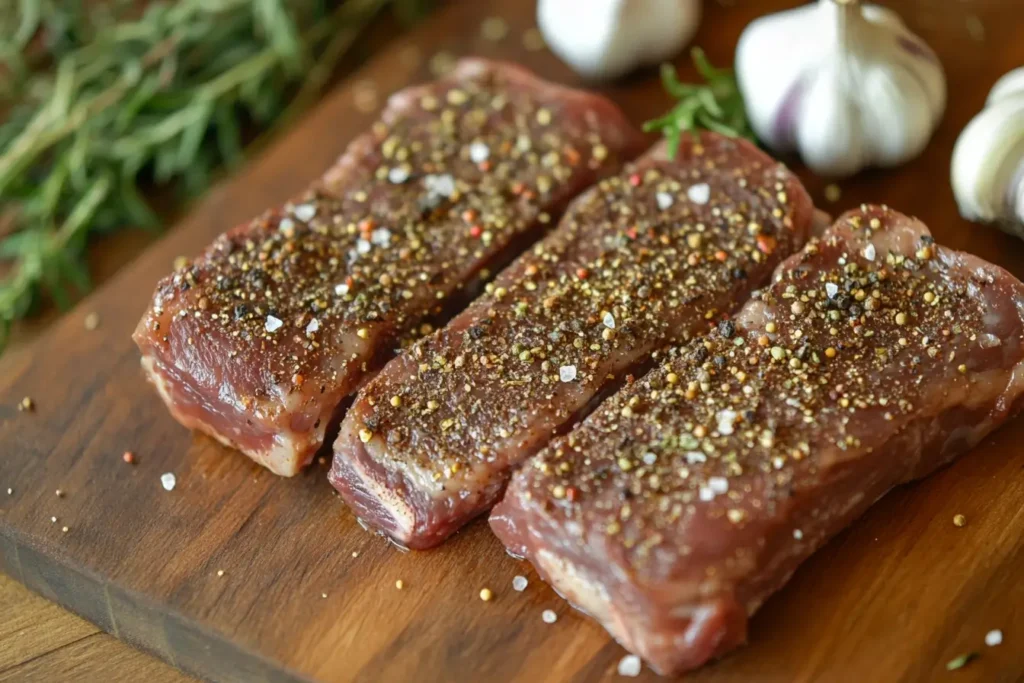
[
  {"x": 475, "y": 231},
  {"x": 350, "y": 281},
  {"x": 571, "y": 494},
  {"x": 298, "y": 379},
  {"x": 721, "y": 255},
  {"x": 366, "y": 225},
  {"x": 766, "y": 244},
  {"x": 632, "y": 233},
  {"x": 630, "y": 379},
  {"x": 128, "y": 457},
  {"x": 484, "y": 166},
  {"x": 634, "y": 180},
  {"x": 518, "y": 187},
  {"x": 582, "y": 273},
  {"x": 572, "y": 156},
  {"x": 469, "y": 215}
]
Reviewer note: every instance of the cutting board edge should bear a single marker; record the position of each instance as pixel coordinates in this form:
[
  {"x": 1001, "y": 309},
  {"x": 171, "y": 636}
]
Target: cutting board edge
[{"x": 132, "y": 618}]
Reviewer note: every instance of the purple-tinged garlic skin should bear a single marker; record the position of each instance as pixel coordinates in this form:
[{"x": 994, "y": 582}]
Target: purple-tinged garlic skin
[
  {"x": 852, "y": 87},
  {"x": 987, "y": 171}
]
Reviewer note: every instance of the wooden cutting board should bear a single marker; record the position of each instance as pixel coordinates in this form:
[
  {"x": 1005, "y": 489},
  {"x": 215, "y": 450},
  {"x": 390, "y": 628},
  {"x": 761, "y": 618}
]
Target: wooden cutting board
[{"x": 238, "y": 575}]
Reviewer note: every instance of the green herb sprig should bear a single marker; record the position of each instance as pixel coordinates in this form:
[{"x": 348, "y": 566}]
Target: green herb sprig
[
  {"x": 716, "y": 104},
  {"x": 96, "y": 104}
]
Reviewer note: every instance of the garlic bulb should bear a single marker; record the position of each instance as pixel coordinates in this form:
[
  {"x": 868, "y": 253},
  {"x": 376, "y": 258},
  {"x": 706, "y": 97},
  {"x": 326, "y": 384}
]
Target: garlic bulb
[
  {"x": 846, "y": 85},
  {"x": 988, "y": 161},
  {"x": 608, "y": 38}
]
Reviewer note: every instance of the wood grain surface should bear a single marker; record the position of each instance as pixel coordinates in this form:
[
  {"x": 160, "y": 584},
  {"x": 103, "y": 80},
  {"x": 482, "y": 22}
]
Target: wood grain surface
[{"x": 238, "y": 575}]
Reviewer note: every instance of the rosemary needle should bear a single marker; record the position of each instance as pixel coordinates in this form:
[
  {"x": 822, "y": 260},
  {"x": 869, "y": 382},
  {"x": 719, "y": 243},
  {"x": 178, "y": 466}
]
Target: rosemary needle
[{"x": 715, "y": 105}]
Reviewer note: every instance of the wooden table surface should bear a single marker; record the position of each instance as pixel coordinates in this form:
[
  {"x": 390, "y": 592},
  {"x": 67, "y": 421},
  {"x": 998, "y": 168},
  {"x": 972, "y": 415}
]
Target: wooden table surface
[{"x": 40, "y": 641}]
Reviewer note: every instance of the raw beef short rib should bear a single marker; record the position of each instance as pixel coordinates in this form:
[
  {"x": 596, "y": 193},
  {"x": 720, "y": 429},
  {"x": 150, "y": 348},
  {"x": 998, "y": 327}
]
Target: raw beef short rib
[
  {"x": 259, "y": 339},
  {"x": 678, "y": 507},
  {"x": 650, "y": 257}
]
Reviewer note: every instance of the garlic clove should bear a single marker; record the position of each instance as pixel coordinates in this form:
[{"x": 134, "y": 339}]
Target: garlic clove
[
  {"x": 608, "y": 38},
  {"x": 852, "y": 88},
  {"x": 987, "y": 170}
]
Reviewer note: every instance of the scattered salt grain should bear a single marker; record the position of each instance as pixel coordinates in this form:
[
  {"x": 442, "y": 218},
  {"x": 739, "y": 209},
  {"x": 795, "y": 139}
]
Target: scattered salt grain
[
  {"x": 699, "y": 193},
  {"x": 479, "y": 152},
  {"x": 341, "y": 290},
  {"x": 323, "y": 595},
  {"x": 567, "y": 373},
  {"x": 831, "y": 289},
  {"x": 609, "y": 321},
  {"x": 220, "y": 572},
  {"x": 694, "y": 457},
  {"x": 442, "y": 185},
  {"x": 273, "y": 324},
  {"x": 706, "y": 494},
  {"x": 398, "y": 175},
  {"x": 313, "y": 326},
  {"x": 10, "y": 492},
  {"x": 718, "y": 484},
  {"x": 286, "y": 224},
  {"x": 53, "y": 520},
  {"x": 869, "y": 252},
  {"x": 630, "y": 666},
  {"x": 64, "y": 530},
  {"x": 994, "y": 637},
  {"x": 650, "y": 458},
  {"x": 363, "y": 246},
  {"x": 664, "y": 200},
  {"x": 168, "y": 481},
  {"x": 798, "y": 534},
  {"x": 549, "y": 616},
  {"x": 305, "y": 212},
  {"x": 519, "y": 583},
  {"x": 381, "y": 237},
  {"x": 726, "y": 420}
]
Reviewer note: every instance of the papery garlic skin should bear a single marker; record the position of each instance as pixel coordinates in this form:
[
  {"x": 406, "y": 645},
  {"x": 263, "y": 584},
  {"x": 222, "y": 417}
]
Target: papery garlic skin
[
  {"x": 987, "y": 171},
  {"x": 845, "y": 85},
  {"x": 603, "y": 39}
]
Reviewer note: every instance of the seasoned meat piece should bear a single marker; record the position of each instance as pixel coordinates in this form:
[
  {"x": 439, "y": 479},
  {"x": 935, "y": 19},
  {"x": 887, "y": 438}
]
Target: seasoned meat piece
[
  {"x": 655, "y": 255},
  {"x": 259, "y": 339},
  {"x": 678, "y": 507}
]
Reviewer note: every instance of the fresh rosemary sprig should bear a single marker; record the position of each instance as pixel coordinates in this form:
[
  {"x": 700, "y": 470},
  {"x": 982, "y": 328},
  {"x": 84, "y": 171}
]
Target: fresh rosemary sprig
[
  {"x": 714, "y": 105},
  {"x": 97, "y": 104}
]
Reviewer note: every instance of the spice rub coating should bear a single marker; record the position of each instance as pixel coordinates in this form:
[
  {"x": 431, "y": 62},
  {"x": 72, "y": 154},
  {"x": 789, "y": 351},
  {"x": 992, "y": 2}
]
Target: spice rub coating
[
  {"x": 259, "y": 339},
  {"x": 650, "y": 257},
  {"x": 678, "y": 507}
]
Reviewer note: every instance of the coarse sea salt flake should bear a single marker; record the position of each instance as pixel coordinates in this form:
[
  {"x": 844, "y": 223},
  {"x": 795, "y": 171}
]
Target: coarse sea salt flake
[
  {"x": 479, "y": 152},
  {"x": 798, "y": 534},
  {"x": 567, "y": 373},
  {"x": 831, "y": 289},
  {"x": 706, "y": 494},
  {"x": 381, "y": 237},
  {"x": 549, "y": 616},
  {"x": 168, "y": 481},
  {"x": 273, "y": 324},
  {"x": 519, "y": 583},
  {"x": 699, "y": 193},
  {"x": 609, "y": 321},
  {"x": 313, "y": 326},
  {"x": 869, "y": 252},
  {"x": 305, "y": 212},
  {"x": 726, "y": 420},
  {"x": 664, "y": 200},
  {"x": 718, "y": 484},
  {"x": 286, "y": 224},
  {"x": 398, "y": 175},
  {"x": 694, "y": 457},
  {"x": 363, "y": 246},
  {"x": 650, "y": 458},
  {"x": 341, "y": 289},
  {"x": 994, "y": 637},
  {"x": 630, "y": 665}
]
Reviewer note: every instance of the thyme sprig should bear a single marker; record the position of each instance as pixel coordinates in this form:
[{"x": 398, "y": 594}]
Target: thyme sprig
[
  {"x": 716, "y": 104},
  {"x": 97, "y": 104}
]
